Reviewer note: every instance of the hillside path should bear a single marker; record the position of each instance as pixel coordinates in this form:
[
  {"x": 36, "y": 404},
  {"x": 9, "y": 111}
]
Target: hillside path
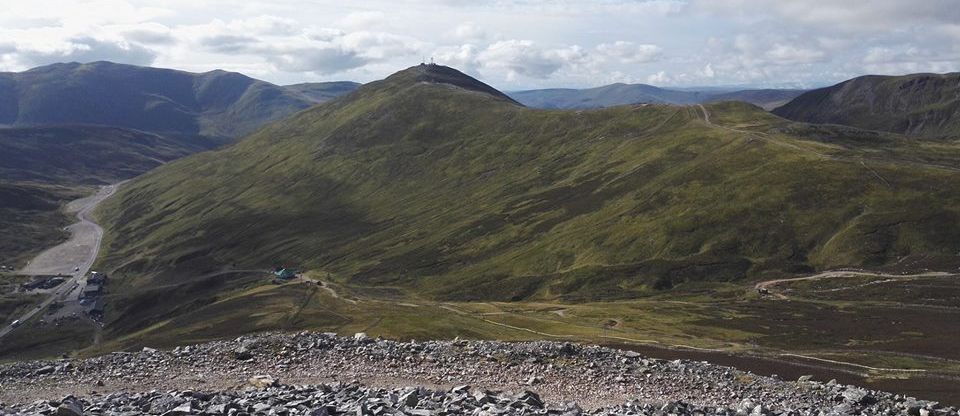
[
  {"x": 72, "y": 258},
  {"x": 767, "y": 284}
]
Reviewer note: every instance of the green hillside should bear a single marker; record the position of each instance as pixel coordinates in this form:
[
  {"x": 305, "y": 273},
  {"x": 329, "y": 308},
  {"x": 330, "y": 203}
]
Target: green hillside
[
  {"x": 431, "y": 183},
  {"x": 926, "y": 105}
]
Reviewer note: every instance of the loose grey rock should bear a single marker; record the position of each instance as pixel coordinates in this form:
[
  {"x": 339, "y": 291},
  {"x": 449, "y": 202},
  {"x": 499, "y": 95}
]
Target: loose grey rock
[{"x": 421, "y": 378}]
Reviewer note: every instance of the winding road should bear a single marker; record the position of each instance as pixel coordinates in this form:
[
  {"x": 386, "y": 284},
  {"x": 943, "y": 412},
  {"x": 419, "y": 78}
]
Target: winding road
[
  {"x": 72, "y": 258},
  {"x": 839, "y": 273}
]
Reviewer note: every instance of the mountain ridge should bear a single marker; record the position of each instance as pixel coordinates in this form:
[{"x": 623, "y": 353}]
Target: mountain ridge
[
  {"x": 626, "y": 94},
  {"x": 457, "y": 195},
  {"x": 215, "y": 103},
  {"x": 922, "y": 105}
]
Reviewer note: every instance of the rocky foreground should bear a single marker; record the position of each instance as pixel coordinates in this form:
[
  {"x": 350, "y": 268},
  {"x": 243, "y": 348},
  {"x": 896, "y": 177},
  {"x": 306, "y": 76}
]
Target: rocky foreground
[{"x": 322, "y": 374}]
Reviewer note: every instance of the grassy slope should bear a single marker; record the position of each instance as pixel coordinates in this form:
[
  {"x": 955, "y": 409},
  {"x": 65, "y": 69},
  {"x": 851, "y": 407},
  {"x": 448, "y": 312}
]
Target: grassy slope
[
  {"x": 455, "y": 194},
  {"x": 919, "y": 104}
]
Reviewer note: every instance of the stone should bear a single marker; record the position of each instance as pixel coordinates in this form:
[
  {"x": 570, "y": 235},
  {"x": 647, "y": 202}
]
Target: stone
[
  {"x": 857, "y": 396},
  {"x": 410, "y": 399},
  {"x": 69, "y": 408},
  {"x": 262, "y": 382},
  {"x": 242, "y": 353},
  {"x": 182, "y": 410},
  {"x": 45, "y": 370}
]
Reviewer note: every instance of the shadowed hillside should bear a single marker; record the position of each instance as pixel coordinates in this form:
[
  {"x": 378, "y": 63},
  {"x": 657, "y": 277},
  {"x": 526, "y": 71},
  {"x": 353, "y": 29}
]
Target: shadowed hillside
[
  {"x": 926, "y": 105},
  {"x": 42, "y": 168},
  {"x": 430, "y": 181},
  {"x": 323, "y": 91},
  {"x": 768, "y": 99},
  {"x": 77, "y": 154}
]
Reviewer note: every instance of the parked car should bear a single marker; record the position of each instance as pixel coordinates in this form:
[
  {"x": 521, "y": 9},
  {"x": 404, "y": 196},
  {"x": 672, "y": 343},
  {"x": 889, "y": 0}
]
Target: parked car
[{"x": 15, "y": 324}]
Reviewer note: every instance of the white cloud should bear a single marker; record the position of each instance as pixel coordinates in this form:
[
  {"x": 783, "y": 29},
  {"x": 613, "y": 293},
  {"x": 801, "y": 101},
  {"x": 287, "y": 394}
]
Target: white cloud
[
  {"x": 84, "y": 49},
  {"x": 364, "y": 20},
  {"x": 793, "y": 54},
  {"x": 510, "y": 43},
  {"x": 629, "y": 52},
  {"x": 149, "y": 34},
  {"x": 520, "y": 58},
  {"x": 660, "y": 78},
  {"x": 469, "y": 32}
]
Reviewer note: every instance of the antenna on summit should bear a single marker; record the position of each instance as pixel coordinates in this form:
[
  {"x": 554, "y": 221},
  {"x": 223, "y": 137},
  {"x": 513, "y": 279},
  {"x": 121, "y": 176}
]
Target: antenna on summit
[{"x": 431, "y": 61}]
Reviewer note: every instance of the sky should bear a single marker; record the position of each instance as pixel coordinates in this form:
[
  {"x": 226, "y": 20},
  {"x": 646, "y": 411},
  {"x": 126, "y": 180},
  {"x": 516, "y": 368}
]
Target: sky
[{"x": 510, "y": 44}]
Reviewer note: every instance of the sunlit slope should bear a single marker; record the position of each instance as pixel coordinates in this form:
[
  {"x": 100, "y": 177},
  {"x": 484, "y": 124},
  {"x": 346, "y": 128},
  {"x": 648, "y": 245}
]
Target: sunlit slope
[{"x": 434, "y": 183}]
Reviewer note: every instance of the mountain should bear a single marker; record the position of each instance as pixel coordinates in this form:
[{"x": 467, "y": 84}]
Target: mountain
[
  {"x": 323, "y": 91},
  {"x": 768, "y": 99},
  {"x": 622, "y": 94},
  {"x": 41, "y": 168},
  {"x": 433, "y": 185},
  {"x": 926, "y": 105},
  {"x": 216, "y": 104},
  {"x": 606, "y": 96}
]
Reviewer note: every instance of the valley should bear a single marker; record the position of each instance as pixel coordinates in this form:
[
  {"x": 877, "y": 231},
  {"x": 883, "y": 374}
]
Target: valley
[{"x": 430, "y": 206}]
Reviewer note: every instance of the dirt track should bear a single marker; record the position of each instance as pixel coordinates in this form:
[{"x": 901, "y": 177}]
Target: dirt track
[
  {"x": 80, "y": 251},
  {"x": 838, "y": 273},
  {"x": 82, "y": 247}
]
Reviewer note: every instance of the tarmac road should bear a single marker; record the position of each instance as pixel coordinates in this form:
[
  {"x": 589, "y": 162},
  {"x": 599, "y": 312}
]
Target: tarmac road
[{"x": 80, "y": 251}]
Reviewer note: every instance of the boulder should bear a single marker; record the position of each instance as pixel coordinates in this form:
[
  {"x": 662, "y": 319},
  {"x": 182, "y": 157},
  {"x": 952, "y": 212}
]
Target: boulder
[
  {"x": 70, "y": 408},
  {"x": 410, "y": 399},
  {"x": 262, "y": 382},
  {"x": 44, "y": 370}
]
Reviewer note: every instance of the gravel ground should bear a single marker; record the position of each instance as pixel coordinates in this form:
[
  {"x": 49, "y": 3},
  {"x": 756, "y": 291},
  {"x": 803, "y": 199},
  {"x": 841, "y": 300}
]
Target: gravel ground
[{"x": 312, "y": 373}]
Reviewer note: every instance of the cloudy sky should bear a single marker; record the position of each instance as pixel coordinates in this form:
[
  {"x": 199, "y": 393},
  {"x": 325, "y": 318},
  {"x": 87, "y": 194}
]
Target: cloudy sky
[{"x": 511, "y": 44}]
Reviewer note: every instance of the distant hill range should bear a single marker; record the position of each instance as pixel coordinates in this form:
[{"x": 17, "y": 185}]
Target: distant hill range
[
  {"x": 323, "y": 91},
  {"x": 623, "y": 94},
  {"x": 217, "y": 104},
  {"x": 926, "y": 105}
]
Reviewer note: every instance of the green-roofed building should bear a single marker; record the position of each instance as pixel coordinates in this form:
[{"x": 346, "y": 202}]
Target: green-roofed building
[{"x": 284, "y": 273}]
